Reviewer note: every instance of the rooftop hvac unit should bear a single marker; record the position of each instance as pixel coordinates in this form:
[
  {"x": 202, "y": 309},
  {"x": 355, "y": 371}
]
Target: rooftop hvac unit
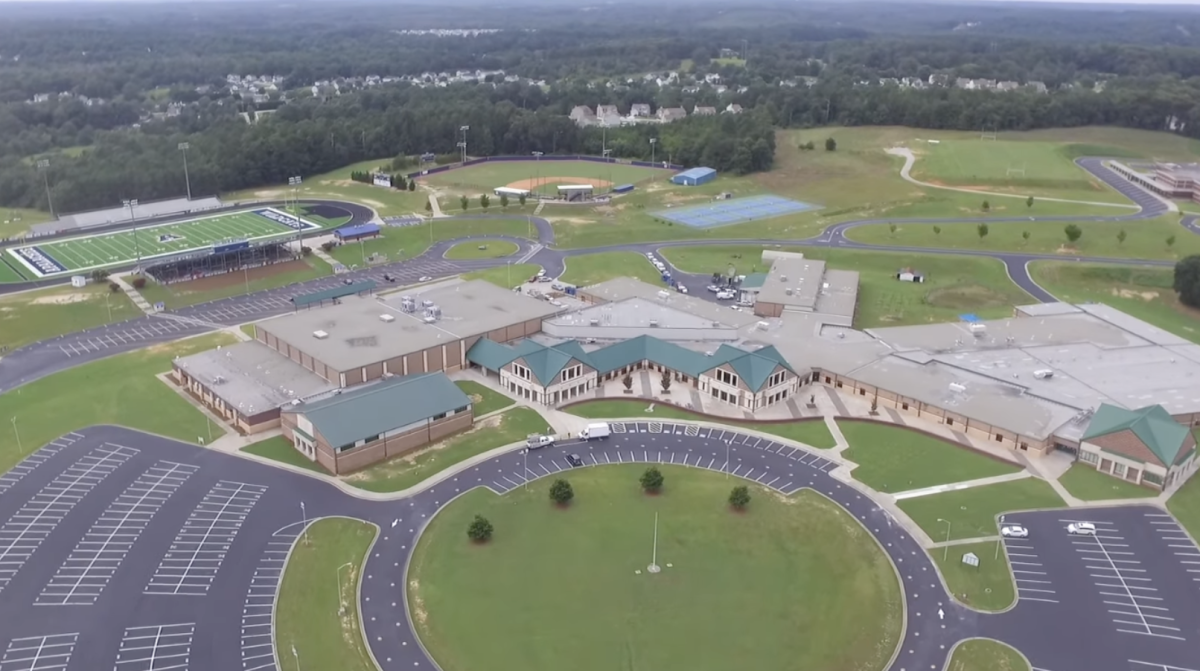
[
  {"x": 408, "y": 304},
  {"x": 957, "y": 388},
  {"x": 783, "y": 278},
  {"x": 430, "y": 320},
  {"x": 427, "y": 303},
  {"x": 788, "y": 291},
  {"x": 218, "y": 379},
  {"x": 978, "y": 329},
  {"x": 1043, "y": 373},
  {"x": 594, "y": 322},
  {"x": 387, "y": 318},
  {"x": 653, "y": 323},
  {"x": 664, "y": 295},
  {"x": 708, "y": 353},
  {"x": 320, "y": 335}
]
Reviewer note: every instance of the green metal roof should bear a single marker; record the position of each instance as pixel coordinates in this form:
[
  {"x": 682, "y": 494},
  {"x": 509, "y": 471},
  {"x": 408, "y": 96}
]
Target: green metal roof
[
  {"x": 341, "y": 291},
  {"x": 490, "y": 354},
  {"x": 363, "y": 412},
  {"x": 755, "y": 368},
  {"x": 1152, "y": 425},
  {"x": 754, "y": 281},
  {"x": 545, "y": 362},
  {"x": 648, "y": 348}
]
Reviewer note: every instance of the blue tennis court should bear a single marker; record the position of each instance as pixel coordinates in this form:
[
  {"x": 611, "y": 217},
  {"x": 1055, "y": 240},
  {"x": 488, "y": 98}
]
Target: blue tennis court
[{"x": 734, "y": 211}]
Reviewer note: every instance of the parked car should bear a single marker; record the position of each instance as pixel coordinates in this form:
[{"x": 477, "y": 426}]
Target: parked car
[
  {"x": 724, "y": 295},
  {"x": 541, "y": 272},
  {"x": 388, "y": 277},
  {"x": 558, "y": 287},
  {"x": 713, "y": 288},
  {"x": 1014, "y": 531},
  {"x": 574, "y": 460},
  {"x": 425, "y": 278},
  {"x": 543, "y": 278},
  {"x": 681, "y": 288},
  {"x": 596, "y": 430},
  {"x": 538, "y": 441},
  {"x": 1081, "y": 528}
]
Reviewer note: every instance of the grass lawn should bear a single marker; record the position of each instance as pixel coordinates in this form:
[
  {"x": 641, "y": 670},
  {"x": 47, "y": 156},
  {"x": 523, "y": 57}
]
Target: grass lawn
[
  {"x": 507, "y": 276},
  {"x": 248, "y": 329},
  {"x": 484, "y": 399},
  {"x": 810, "y": 432},
  {"x": 280, "y": 449},
  {"x": 9, "y": 273},
  {"x": 118, "y": 390},
  {"x": 953, "y": 284},
  {"x": 493, "y": 249},
  {"x": 972, "y": 512},
  {"x": 980, "y": 654},
  {"x": 1143, "y": 239},
  {"x": 406, "y": 242},
  {"x": 403, "y": 472},
  {"x": 307, "y": 614},
  {"x": 590, "y": 269},
  {"x": 204, "y": 290},
  {"x": 1184, "y": 504},
  {"x": 337, "y": 185},
  {"x": 579, "y": 577},
  {"x": 988, "y": 586},
  {"x": 1145, "y": 293},
  {"x": 893, "y": 459},
  {"x": 543, "y": 176},
  {"x": 15, "y": 221},
  {"x": 1085, "y": 482},
  {"x": 36, "y": 315}
]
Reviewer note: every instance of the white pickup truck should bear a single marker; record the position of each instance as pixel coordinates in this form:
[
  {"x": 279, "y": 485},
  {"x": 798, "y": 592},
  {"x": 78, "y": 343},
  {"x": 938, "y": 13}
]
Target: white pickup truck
[
  {"x": 596, "y": 430},
  {"x": 538, "y": 441}
]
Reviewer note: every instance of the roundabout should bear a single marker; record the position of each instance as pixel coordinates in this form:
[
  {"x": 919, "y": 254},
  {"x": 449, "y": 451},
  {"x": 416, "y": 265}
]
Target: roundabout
[{"x": 790, "y": 578}]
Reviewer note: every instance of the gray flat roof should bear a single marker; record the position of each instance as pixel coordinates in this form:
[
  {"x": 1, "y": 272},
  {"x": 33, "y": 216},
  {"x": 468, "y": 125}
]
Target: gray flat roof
[
  {"x": 252, "y": 377},
  {"x": 358, "y": 334},
  {"x": 839, "y": 293},
  {"x": 1046, "y": 309},
  {"x": 793, "y": 282},
  {"x": 622, "y": 288}
]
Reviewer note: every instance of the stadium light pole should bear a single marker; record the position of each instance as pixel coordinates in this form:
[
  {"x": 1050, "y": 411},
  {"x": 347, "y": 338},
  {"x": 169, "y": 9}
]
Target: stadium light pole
[
  {"x": 132, "y": 203},
  {"x": 537, "y": 171},
  {"x": 608, "y": 167},
  {"x": 653, "y": 146},
  {"x": 43, "y": 167},
  {"x": 293, "y": 182},
  {"x": 183, "y": 147},
  {"x": 464, "y": 130}
]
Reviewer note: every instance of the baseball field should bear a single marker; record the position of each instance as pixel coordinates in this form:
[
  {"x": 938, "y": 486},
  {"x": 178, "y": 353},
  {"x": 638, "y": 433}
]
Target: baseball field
[{"x": 544, "y": 177}]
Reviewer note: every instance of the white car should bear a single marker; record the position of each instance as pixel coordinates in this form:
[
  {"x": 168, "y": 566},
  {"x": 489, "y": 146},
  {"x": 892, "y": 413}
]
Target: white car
[
  {"x": 712, "y": 288},
  {"x": 1014, "y": 531},
  {"x": 724, "y": 295},
  {"x": 1081, "y": 529},
  {"x": 425, "y": 278}
]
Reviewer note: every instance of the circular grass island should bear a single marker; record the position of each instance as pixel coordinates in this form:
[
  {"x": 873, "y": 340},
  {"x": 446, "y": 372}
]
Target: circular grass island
[
  {"x": 791, "y": 582},
  {"x": 491, "y": 249}
]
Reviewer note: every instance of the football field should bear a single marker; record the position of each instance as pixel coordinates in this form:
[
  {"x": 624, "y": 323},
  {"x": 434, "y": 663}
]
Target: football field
[{"x": 83, "y": 254}]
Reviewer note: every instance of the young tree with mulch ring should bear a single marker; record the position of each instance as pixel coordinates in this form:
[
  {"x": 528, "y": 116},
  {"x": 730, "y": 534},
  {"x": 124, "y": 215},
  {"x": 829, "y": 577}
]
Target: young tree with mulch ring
[
  {"x": 652, "y": 481},
  {"x": 480, "y": 530},
  {"x": 561, "y": 492},
  {"x": 739, "y": 498}
]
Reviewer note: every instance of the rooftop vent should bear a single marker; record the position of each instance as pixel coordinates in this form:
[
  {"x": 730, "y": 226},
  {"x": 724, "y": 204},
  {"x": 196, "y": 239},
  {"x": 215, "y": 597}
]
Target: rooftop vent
[
  {"x": 957, "y": 388},
  {"x": 653, "y": 323},
  {"x": 320, "y": 335},
  {"x": 788, "y": 291},
  {"x": 1043, "y": 373},
  {"x": 430, "y": 320},
  {"x": 594, "y": 322},
  {"x": 427, "y": 303},
  {"x": 763, "y": 326},
  {"x": 387, "y": 318},
  {"x": 783, "y": 278}
]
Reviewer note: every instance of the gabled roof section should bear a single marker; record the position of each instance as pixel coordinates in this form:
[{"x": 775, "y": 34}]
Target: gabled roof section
[
  {"x": 1152, "y": 425},
  {"x": 647, "y": 348},
  {"x": 544, "y": 362},
  {"x": 491, "y": 354},
  {"x": 755, "y": 367}
]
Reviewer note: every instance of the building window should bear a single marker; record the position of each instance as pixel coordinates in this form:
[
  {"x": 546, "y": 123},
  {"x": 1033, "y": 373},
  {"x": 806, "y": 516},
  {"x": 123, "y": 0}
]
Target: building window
[
  {"x": 862, "y": 392},
  {"x": 1087, "y": 457},
  {"x": 949, "y": 422},
  {"x": 440, "y": 415},
  {"x": 999, "y": 438},
  {"x": 1151, "y": 478},
  {"x": 726, "y": 377},
  {"x": 572, "y": 373},
  {"x": 1118, "y": 469},
  {"x": 904, "y": 406},
  {"x": 777, "y": 378},
  {"x": 521, "y": 371}
]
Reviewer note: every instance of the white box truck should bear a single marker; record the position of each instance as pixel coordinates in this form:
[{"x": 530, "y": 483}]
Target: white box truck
[{"x": 596, "y": 430}]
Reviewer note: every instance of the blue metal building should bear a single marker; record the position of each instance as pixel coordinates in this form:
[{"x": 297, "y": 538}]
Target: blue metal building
[{"x": 695, "y": 176}]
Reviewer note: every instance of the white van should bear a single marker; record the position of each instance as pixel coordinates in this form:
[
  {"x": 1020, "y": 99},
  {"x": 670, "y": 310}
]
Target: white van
[{"x": 597, "y": 430}]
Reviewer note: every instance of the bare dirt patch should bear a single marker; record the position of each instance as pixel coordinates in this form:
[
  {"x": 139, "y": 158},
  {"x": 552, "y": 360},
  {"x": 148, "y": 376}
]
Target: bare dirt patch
[
  {"x": 61, "y": 299},
  {"x": 1129, "y": 293},
  {"x": 418, "y": 604},
  {"x": 238, "y": 277},
  {"x": 534, "y": 183}
]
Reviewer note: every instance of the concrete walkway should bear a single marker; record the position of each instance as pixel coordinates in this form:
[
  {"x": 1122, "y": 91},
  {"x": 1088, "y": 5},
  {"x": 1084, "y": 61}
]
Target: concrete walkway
[
  {"x": 956, "y": 486},
  {"x": 134, "y": 295},
  {"x": 909, "y": 159},
  {"x": 435, "y": 207},
  {"x": 324, "y": 256}
]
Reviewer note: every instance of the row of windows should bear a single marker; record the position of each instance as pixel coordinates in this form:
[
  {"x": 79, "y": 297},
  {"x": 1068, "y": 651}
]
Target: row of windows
[
  {"x": 726, "y": 377},
  {"x": 777, "y": 378},
  {"x": 572, "y": 373},
  {"x": 521, "y": 372},
  {"x": 1088, "y": 457}
]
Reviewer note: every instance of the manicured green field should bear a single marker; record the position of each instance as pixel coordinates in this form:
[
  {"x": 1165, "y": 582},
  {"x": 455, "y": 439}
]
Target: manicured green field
[
  {"x": 986, "y": 655},
  {"x": 202, "y": 291},
  {"x": 317, "y": 613},
  {"x": 405, "y": 242},
  {"x": 1025, "y": 167},
  {"x": 484, "y": 399},
  {"x": 36, "y": 315},
  {"x": 493, "y": 249},
  {"x": 1085, "y": 482},
  {"x": 893, "y": 459},
  {"x": 17, "y": 221},
  {"x": 568, "y": 588},
  {"x": 1145, "y": 293},
  {"x": 10, "y": 273},
  {"x": 590, "y": 269},
  {"x": 988, "y": 586},
  {"x": 1143, "y": 239},
  {"x": 511, "y": 426},
  {"x": 107, "y": 249},
  {"x": 953, "y": 284},
  {"x": 281, "y": 449},
  {"x": 507, "y": 276},
  {"x": 972, "y": 512},
  {"x": 545, "y": 176},
  {"x": 813, "y": 433},
  {"x": 121, "y": 390}
]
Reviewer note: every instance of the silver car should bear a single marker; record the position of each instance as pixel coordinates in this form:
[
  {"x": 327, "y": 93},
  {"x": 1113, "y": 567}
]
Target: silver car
[{"x": 1014, "y": 531}]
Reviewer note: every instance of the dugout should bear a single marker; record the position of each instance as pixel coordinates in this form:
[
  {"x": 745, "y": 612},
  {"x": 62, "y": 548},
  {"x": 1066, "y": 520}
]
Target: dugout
[
  {"x": 357, "y": 232},
  {"x": 575, "y": 192}
]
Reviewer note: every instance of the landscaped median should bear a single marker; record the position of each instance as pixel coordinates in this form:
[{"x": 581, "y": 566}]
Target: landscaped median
[
  {"x": 812, "y": 432},
  {"x": 1086, "y": 483},
  {"x": 317, "y": 619},
  {"x": 987, "y": 586},
  {"x": 971, "y": 513},
  {"x": 982, "y": 654}
]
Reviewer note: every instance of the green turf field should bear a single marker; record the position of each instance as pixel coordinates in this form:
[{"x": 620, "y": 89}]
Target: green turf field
[
  {"x": 490, "y": 175},
  {"x": 792, "y": 578},
  {"x": 108, "y": 249}
]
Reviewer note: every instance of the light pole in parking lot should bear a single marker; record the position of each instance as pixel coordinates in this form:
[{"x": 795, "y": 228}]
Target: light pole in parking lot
[
  {"x": 137, "y": 247},
  {"x": 303, "y": 527},
  {"x": 183, "y": 147},
  {"x": 728, "y": 444},
  {"x": 946, "y": 548}
]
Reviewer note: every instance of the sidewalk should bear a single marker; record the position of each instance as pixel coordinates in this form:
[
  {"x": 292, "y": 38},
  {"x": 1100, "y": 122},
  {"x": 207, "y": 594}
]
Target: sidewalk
[
  {"x": 137, "y": 298},
  {"x": 956, "y": 486},
  {"x": 435, "y": 207}
]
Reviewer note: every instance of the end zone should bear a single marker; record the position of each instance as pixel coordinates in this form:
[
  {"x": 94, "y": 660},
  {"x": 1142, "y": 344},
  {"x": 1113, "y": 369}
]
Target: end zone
[
  {"x": 292, "y": 221},
  {"x": 37, "y": 261}
]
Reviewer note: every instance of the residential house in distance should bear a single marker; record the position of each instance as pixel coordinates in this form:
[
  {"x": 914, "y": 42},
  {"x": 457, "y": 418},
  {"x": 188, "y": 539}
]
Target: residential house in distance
[
  {"x": 1144, "y": 446},
  {"x": 1039, "y": 87},
  {"x": 583, "y": 115},
  {"x": 729, "y": 53},
  {"x": 939, "y": 80},
  {"x": 1007, "y": 86},
  {"x": 669, "y": 114},
  {"x": 607, "y": 110},
  {"x": 712, "y": 78},
  {"x": 733, "y": 108},
  {"x": 639, "y": 110},
  {"x": 704, "y": 111}
]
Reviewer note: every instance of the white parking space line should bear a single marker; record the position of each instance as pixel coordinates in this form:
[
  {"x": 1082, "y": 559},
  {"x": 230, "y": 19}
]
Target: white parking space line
[
  {"x": 199, "y": 549},
  {"x": 86, "y": 571},
  {"x": 35, "y": 520},
  {"x": 258, "y": 634},
  {"x": 39, "y": 653},
  {"x": 1119, "y": 578},
  {"x": 156, "y": 648},
  {"x": 39, "y": 457},
  {"x": 1152, "y": 666}
]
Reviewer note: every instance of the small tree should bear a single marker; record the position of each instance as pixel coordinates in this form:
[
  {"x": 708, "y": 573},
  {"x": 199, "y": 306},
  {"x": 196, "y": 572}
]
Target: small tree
[
  {"x": 412, "y": 186},
  {"x": 480, "y": 529},
  {"x": 114, "y": 287},
  {"x": 99, "y": 275},
  {"x": 628, "y": 382},
  {"x": 1029, "y": 202},
  {"x": 892, "y": 228},
  {"x": 986, "y": 206},
  {"x": 1073, "y": 233},
  {"x": 982, "y": 229},
  {"x": 465, "y": 202},
  {"x": 810, "y": 145},
  {"x": 561, "y": 492},
  {"x": 875, "y": 406},
  {"x": 666, "y": 381},
  {"x": 652, "y": 480},
  {"x": 830, "y": 144},
  {"x": 937, "y": 230},
  {"x": 138, "y": 282},
  {"x": 1170, "y": 241},
  {"x": 306, "y": 251},
  {"x": 1121, "y": 237},
  {"x": 484, "y": 202},
  {"x": 1025, "y": 235},
  {"x": 521, "y": 200},
  {"x": 739, "y": 497},
  {"x": 504, "y": 201}
]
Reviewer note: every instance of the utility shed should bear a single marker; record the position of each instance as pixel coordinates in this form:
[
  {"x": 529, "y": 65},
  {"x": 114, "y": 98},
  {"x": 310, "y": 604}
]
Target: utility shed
[{"x": 694, "y": 177}]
